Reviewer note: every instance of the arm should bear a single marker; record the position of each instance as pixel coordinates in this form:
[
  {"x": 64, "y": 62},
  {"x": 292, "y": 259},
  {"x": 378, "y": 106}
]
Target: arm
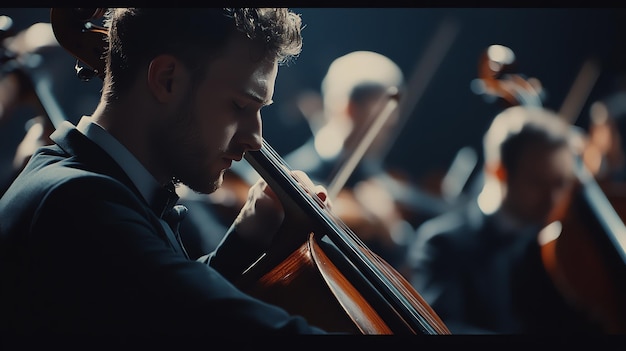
[
  {"x": 105, "y": 268},
  {"x": 253, "y": 230}
]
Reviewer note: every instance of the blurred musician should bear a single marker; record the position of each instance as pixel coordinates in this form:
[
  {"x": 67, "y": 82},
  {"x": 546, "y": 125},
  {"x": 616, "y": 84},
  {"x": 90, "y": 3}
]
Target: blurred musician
[
  {"x": 480, "y": 267},
  {"x": 355, "y": 99}
]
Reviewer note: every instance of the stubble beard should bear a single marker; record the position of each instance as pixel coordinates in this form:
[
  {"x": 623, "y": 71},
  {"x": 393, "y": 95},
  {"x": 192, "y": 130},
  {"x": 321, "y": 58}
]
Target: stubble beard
[
  {"x": 199, "y": 181},
  {"x": 194, "y": 173}
]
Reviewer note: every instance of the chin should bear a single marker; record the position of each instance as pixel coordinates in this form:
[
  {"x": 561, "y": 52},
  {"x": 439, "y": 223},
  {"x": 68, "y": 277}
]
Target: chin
[
  {"x": 205, "y": 187},
  {"x": 205, "y": 182}
]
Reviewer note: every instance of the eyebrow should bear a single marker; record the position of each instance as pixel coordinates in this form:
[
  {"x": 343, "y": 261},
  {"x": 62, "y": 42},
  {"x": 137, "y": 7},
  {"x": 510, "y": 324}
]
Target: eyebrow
[{"x": 257, "y": 98}]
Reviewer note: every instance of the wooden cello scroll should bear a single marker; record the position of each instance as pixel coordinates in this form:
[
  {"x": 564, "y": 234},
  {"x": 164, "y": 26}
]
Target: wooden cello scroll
[
  {"x": 86, "y": 41},
  {"x": 497, "y": 80},
  {"x": 314, "y": 251}
]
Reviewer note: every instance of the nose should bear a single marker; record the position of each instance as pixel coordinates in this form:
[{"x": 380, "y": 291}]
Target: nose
[{"x": 252, "y": 133}]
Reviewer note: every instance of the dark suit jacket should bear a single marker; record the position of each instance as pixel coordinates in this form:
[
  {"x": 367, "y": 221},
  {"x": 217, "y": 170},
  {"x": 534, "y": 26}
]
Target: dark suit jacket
[
  {"x": 82, "y": 252},
  {"x": 481, "y": 280}
]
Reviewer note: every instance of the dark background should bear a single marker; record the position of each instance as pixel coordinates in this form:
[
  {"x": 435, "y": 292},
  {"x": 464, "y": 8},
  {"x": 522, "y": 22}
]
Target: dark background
[{"x": 551, "y": 44}]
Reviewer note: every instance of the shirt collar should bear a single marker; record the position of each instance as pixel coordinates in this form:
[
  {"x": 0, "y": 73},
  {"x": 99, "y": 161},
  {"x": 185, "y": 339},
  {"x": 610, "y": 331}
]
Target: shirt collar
[{"x": 147, "y": 185}]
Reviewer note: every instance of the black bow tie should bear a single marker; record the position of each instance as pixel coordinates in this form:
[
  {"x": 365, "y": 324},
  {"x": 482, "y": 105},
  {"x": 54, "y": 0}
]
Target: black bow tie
[
  {"x": 174, "y": 216},
  {"x": 164, "y": 205},
  {"x": 164, "y": 200}
]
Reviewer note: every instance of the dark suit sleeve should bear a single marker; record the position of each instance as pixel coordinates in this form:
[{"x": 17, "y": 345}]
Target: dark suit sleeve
[
  {"x": 232, "y": 256},
  {"x": 98, "y": 260}
]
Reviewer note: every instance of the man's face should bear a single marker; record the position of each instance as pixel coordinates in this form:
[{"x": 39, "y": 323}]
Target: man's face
[
  {"x": 543, "y": 178},
  {"x": 221, "y": 119}
]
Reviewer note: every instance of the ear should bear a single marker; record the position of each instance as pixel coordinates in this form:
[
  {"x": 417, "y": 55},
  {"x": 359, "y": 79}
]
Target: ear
[
  {"x": 501, "y": 173},
  {"x": 161, "y": 76},
  {"x": 350, "y": 110},
  {"x": 496, "y": 170}
]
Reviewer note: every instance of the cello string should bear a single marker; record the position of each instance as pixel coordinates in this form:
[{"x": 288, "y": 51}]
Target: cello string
[
  {"x": 396, "y": 291},
  {"x": 309, "y": 194}
]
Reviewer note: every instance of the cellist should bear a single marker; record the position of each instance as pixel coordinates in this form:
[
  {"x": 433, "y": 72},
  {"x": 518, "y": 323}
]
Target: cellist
[
  {"x": 480, "y": 267},
  {"x": 173, "y": 115},
  {"x": 86, "y": 245}
]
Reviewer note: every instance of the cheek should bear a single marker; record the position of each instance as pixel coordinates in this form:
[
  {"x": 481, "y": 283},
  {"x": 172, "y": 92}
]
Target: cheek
[
  {"x": 528, "y": 193},
  {"x": 207, "y": 121},
  {"x": 216, "y": 131}
]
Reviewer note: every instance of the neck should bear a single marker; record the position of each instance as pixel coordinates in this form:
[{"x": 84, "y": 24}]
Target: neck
[{"x": 127, "y": 123}]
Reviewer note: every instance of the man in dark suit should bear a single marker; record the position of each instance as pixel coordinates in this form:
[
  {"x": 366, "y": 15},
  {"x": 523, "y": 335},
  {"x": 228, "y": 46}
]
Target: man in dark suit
[
  {"x": 480, "y": 266},
  {"x": 86, "y": 244}
]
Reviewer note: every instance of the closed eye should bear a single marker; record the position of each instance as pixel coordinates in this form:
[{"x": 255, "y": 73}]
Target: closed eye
[{"x": 238, "y": 106}]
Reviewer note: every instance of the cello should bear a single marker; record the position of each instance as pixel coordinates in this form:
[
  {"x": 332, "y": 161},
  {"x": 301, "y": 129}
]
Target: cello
[
  {"x": 587, "y": 259},
  {"x": 355, "y": 290},
  {"x": 583, "y": 248}
]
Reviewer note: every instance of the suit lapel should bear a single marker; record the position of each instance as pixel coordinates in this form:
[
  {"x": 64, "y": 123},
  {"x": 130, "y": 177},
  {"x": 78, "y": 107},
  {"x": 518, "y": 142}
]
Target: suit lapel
[
  {"x": 89, "y": 154},
  {"x": 93, "y": 158}
]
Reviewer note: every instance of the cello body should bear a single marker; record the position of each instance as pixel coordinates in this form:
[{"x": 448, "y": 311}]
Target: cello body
[
  {"x": 585, "y": 257},
  {"x": 308, "y": 283},
  {"x": 315, "y": 252}
]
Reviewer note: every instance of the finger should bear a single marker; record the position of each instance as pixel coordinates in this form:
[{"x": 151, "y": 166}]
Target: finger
[
  {"x": 259, "y": 186},
  {"x": 322, "y": 193},
  {"x": 303, "y": 179},
  {"x": 305, "y": 182}
]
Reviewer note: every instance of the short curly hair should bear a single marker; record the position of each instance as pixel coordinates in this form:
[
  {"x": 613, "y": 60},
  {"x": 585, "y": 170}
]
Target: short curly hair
[{"x": 136, "y": 35}]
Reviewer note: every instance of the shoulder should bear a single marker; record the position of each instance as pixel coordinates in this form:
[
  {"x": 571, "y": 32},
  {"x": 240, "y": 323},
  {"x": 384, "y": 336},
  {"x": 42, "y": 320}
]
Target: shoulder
[
  {"x": 61, "y": 179},
  {"x": 452, "y": 233},
  {"x": 459, "y": 224},
  {"x": 91, "y": 195},
  {"x": 53, "y": 189}
]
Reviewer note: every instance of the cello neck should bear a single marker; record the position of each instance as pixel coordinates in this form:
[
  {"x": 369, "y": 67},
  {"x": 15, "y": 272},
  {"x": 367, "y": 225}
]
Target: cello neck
[{"x": 399, "y": 297}]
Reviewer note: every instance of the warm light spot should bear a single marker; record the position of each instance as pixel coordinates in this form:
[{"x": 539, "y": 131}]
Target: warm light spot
[
  {"x": 490, "y": 197},
  {"x": 550, "y": 233},
  {"x": 39, "y": 35}
]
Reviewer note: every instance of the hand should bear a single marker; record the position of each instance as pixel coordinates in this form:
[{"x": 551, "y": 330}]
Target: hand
[{"x": 262, "y": 214}]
